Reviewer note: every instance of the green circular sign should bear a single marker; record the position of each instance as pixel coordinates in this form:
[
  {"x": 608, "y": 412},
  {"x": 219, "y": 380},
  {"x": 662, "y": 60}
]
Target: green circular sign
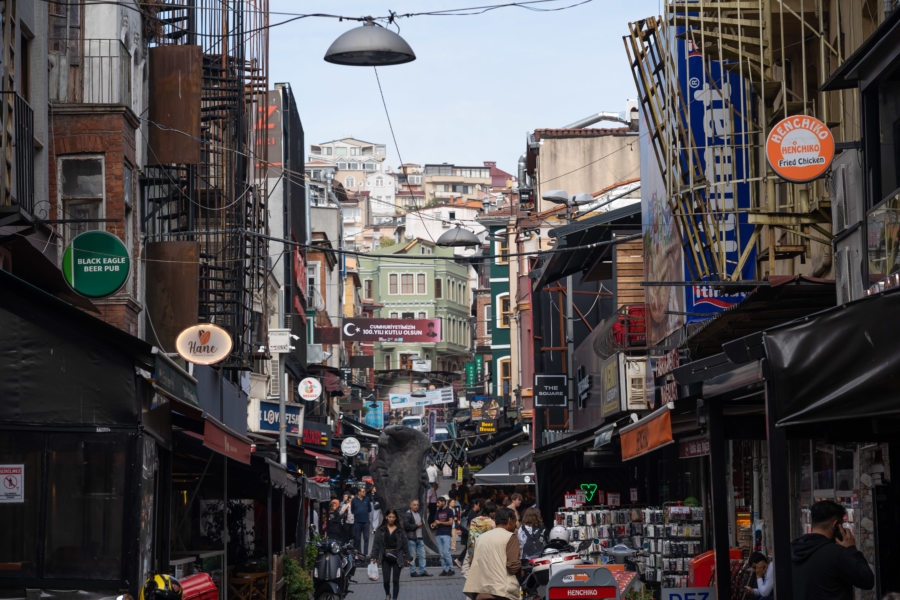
[{"x": 96, "y": 264}]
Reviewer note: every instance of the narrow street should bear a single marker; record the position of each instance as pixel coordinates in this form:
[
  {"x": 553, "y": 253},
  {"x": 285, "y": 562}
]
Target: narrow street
[
  {"x": 617, "y": 282},
  {"x": 426, "y": 588}
]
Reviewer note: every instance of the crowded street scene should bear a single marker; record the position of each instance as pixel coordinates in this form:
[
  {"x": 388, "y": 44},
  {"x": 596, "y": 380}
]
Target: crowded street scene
[{"x": 450, "y": 300}]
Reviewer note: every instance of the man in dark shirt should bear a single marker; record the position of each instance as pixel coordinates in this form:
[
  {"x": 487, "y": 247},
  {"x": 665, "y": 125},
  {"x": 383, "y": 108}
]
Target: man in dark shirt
[
  {"x": 443, "y": 528},
  {"x": 361, "y": 506},
  {"x": 826, "y": 563}
]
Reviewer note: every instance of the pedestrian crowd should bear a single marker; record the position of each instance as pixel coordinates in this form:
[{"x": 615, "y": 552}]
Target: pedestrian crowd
[
  {"x": 497, "y": 532},
  {"x": 456, "y": 520}
]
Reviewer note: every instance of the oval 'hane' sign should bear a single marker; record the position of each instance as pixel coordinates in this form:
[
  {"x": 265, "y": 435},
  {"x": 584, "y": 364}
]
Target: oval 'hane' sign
[{"x": 203, "y": 344}]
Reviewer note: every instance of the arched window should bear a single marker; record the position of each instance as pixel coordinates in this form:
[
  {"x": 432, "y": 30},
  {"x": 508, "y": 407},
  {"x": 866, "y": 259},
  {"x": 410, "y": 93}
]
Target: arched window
[{"x": 349, "y": 182}]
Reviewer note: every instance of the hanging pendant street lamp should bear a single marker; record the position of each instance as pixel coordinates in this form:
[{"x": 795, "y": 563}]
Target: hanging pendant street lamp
[
  {"x": 458, "y": 237},
  {"x": 369, "y": 45}
]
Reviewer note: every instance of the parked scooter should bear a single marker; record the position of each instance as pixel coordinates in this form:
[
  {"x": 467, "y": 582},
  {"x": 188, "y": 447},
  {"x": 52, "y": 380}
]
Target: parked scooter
[
  {"x": 335, "y": 566},
  {"x": 622, "y": 554},
  {"x": 558, "y": 552}
]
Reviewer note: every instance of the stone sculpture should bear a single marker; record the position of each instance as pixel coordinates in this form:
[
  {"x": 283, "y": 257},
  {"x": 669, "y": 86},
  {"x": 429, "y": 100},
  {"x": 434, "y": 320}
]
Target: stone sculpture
[{"x": 399, "y": 471}]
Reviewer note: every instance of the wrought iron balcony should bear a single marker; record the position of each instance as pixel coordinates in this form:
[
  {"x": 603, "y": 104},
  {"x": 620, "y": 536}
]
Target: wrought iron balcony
[
  {"x": 17, "y": 169},
  {"x": 101, "y": 75},
  {"x": 23, "y": 131}
]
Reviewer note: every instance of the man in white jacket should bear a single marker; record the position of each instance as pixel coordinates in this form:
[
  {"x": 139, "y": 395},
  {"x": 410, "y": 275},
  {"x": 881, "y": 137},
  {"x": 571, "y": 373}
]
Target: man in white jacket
[{"x": 496, "y": 561}]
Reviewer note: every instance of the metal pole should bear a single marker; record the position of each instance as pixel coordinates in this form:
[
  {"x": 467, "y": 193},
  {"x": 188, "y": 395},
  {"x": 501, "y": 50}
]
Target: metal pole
[
  {"x": 282, "y": 389},
  {"x": 718, "y": 451},
  {"x": 271, "y": 578},
  {"x": 780, "y": 489},
  {"x": 570, "y": 338},
  {"x": 570, "y": 350},
  {"x": 225, "y": 527}
]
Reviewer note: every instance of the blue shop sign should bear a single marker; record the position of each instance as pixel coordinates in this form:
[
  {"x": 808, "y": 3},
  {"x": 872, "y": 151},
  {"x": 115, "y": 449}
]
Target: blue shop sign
[{"x": 269, "y": 413}]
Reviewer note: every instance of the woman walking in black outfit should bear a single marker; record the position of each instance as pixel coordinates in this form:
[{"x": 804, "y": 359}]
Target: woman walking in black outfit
[{"x": 390, "y": 549}]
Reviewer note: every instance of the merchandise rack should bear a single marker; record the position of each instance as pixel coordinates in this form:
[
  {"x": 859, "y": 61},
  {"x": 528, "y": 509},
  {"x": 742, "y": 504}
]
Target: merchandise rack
[{"x": 672, "y": 535}]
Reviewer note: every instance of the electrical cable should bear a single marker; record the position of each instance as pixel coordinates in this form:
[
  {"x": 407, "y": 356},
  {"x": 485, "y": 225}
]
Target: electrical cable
[
  {"x": 390, "y": 18},
  {"x": 394, "y": 137},
  {"x": 291, "y": 174}
]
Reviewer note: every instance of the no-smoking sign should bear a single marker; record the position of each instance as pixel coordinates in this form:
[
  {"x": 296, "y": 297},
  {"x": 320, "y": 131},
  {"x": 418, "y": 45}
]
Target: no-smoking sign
[{"x": 12, "y": 483}]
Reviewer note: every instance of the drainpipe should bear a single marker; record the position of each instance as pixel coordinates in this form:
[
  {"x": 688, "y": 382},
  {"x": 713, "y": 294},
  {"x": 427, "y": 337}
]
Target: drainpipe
[{"x": 601, "y": 116}]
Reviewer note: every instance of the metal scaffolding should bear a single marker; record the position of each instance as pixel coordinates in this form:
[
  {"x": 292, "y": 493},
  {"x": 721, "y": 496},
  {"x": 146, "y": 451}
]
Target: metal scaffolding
[{"x": 745, "y": 64}]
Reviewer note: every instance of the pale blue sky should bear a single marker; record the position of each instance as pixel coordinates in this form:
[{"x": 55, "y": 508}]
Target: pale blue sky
[{"x": 478, "y": 85}]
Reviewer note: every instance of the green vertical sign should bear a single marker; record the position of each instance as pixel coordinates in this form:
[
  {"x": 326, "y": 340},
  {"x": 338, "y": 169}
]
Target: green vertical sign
[
  {"x": 479, "y": 369},
  {"x": 470, "y": 374},
  {"x": 96, "y": 264}
]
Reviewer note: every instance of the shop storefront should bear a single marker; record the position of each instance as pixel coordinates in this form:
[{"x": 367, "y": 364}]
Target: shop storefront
[
  {"x": 806, "y": 411},
  {"x": 82, "y": 449},
  {"x": 841, "y": 424}
]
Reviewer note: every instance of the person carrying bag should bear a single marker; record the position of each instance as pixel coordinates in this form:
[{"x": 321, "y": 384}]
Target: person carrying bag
[{"x": 390, "y": 549}]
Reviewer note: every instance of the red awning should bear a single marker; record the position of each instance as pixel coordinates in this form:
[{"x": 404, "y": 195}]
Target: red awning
[
  {"x": 224, "y": 440},
  {"x": 322, "y": 460}
]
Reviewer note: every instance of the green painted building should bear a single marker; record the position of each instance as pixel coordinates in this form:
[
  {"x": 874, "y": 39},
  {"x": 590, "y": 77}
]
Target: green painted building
[
  {"x": 499, "y": 311},
  {"x": 417, "y": 288}
]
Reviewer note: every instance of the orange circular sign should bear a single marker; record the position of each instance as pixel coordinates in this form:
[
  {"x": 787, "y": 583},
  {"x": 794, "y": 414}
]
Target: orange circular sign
[{"x": 800, "y": 148}]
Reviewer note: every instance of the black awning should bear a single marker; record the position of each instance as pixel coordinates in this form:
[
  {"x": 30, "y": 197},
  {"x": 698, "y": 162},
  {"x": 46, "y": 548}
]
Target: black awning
[
  {"x": 785, "y": 299},
  {"x": 496, "y": 442},
  {"x": 361, "y": 429},
  {"x": 280, "y": 479},
  {"x": 870, "y": 56},
  {"x": 62, "y": 366},
  {"x": 497, "y": 472},
  {"x": 839, "y": 367},
  {"x": 568, "y": 444},
  {"x": 587, "y": 231}
]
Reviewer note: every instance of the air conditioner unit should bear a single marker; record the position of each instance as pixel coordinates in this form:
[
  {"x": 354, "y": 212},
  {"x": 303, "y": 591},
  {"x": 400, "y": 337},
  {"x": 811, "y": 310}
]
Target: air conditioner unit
[
  {"x": 847, "y": 213},
  {"x": 315, "y": 354},
  {"x": 636, "y": 397}
]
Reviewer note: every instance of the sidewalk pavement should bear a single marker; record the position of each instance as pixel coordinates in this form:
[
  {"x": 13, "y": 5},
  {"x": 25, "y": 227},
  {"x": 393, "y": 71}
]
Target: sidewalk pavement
[{"x": 411, "y": 588}]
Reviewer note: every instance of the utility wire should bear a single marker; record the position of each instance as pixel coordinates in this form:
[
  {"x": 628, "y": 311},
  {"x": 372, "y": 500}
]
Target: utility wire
[
  {"x": 394, "y": 137},
  {"x": 142, "y": 5}
]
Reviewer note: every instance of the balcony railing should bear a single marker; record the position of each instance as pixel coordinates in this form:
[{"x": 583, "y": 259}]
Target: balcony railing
[
  {"x": 102, "y": 75},
  {"x": 23, "y": 140}
]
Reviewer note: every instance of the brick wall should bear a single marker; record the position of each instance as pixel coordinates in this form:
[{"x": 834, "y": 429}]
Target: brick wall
[{"x": 110, "y": 132}]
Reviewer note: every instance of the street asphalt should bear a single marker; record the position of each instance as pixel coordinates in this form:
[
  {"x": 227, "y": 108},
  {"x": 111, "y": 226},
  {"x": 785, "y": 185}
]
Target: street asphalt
[
  {"x": 411, "y": 588},
  {"x": 414, "y": 588}
]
